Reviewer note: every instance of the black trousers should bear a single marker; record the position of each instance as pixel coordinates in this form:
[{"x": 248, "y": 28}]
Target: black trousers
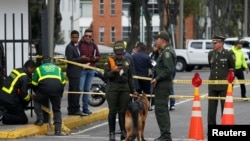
[
  {"x": 239, "y": 73},
  {"x": 14, "y": 114},
  {"x": 55, "y": 100},
  {"x": 73, "y": 99}
]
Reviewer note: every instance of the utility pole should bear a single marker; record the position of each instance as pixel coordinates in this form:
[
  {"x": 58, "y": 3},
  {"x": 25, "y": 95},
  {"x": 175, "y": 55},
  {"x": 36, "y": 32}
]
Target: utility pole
[
  {"x": 181, "y": 24},
  {"x": 72, "y": 15},
  {"x": 51, "y": 19},
  {"x": 245, "y": 18}
]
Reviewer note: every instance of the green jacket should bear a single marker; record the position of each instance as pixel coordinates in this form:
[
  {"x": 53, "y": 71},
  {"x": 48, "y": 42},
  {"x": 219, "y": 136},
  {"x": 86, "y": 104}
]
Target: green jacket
[
  {"x": 48, "y": 78},
  {"x": 219, "y": 66},
  {"x": 117, "y": 82},
  {"x": 165, "y": 66}
]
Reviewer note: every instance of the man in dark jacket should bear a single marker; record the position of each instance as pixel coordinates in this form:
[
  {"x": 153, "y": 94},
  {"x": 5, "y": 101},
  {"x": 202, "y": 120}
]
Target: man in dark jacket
[
  {"x": 142, "y": 63},
  {"x": 73, "y": 73},
  {"x": 14, "y": 95}
]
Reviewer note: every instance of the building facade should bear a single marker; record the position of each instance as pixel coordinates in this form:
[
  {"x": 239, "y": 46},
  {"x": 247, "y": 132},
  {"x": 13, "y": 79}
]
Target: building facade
[{"x": 110, "y": 20}]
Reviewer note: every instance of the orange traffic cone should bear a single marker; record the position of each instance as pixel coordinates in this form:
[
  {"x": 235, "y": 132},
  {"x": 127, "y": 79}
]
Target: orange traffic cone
[
  {"x": 228, "y": 111},
  {"x": 196, "y": 126}
]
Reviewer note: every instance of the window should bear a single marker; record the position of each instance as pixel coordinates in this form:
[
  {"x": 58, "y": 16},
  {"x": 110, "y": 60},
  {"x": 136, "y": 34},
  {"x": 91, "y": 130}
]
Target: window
[
  {"x": 112, "y": 34},
  {"x": 101, "y": 34},
  {"x": 101, "y": 9},
  {"x": 153, "y": 7},
  {"x": 125, "y": 7},
  {"x": 112, "y": 9},
  {"x": 196, "y": 45},
  {"x": 125, "y": 32},
  {"x": 86, "y": 9},
  {"x": 209, "y": 45}
]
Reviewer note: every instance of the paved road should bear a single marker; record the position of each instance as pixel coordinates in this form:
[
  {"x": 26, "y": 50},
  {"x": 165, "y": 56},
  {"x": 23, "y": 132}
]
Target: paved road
[{"x": 180, "y": 118}]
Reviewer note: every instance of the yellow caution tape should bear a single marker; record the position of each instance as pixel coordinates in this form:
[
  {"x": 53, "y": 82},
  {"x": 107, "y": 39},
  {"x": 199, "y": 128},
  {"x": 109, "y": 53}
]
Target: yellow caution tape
[
  {"x": 171, "y": 96},
  {"x": 148, "y": 78}
]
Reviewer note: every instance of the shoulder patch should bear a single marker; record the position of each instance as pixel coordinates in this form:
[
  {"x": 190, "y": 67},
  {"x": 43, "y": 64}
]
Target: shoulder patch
[{"x": 167, "y": 54}]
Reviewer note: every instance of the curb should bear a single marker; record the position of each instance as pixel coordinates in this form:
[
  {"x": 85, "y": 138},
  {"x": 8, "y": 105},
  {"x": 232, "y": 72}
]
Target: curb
[{"x": 69, "y": 121}]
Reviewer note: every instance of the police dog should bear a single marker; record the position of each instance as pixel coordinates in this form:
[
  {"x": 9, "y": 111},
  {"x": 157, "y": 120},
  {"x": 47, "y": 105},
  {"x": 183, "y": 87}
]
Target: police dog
[{"x": 135, "y": 118}]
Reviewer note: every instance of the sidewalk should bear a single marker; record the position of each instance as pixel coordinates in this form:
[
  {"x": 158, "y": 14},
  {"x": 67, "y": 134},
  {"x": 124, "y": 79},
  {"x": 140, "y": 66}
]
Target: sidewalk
[{"x": 20, "y": 131}]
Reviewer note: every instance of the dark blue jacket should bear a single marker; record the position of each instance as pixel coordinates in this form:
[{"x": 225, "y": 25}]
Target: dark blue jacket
[{"x": 142, "y": 63}]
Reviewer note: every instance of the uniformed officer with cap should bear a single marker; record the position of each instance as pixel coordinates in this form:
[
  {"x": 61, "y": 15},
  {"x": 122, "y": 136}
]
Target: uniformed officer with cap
[
  {"x": 163, "y": 83},
  {"x": 118, "y": 72},
  {"x": 220, "y": 61}
]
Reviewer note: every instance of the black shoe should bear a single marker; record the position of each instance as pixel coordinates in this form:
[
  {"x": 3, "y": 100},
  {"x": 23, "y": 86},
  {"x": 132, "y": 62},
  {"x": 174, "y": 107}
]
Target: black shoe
[{"x": 39, "y": 122}]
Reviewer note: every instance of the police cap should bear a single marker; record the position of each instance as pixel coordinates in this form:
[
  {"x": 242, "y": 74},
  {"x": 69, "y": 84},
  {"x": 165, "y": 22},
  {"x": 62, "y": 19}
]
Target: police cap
[
  {"x": 163, "y": 35},
  {"x": 119, "y": 47},
  {"x": 217, "y": 38}
]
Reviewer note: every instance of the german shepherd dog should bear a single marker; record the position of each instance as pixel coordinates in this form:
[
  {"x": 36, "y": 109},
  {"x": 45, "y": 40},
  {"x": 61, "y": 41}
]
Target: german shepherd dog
[{"x": 135, "y": 118}]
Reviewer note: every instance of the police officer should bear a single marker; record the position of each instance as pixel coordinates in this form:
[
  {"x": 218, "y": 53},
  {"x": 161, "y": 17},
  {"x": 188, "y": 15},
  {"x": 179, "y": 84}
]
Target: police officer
[
  {"x": 240, "y": 65},
  {"x": 220, "y": 62},
  {"x": 162, "y": 83},
  {"x": 48, "y": 84},
  {"x": 14, "y": 95},
  {"x": 118, "y": 72}
]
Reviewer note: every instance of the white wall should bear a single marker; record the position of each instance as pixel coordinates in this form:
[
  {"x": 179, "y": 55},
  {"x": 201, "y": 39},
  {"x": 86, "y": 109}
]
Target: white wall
[
  {"x": 67, "y": 11},
  {"x": 17, "y": 7}
]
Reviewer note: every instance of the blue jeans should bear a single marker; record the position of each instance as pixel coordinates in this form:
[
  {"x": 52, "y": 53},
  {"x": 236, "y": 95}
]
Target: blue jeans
[
  {"x": 85, "y": 84},
  {"x": 172, "y": 100}
]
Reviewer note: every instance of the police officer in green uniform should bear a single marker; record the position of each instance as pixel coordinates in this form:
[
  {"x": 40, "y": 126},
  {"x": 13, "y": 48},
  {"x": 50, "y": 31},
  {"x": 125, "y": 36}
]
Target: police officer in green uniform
[
  {"x": 220, "y": 62},
  {"x": 118, "y": 72},
  {"x": 163, "y": 83}
]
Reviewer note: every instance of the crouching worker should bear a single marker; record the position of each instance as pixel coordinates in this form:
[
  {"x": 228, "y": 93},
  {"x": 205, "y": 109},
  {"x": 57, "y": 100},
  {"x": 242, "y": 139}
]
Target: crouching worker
[
  {"x": 48, "y": 84},
  {"x": 14, "y": 95}
]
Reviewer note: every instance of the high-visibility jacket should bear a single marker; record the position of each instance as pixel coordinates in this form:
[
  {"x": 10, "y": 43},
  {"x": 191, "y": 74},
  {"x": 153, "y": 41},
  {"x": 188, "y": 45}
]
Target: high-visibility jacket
[
  {"x": 240, "y": 61},
  {"x": 15, "y": 87},
  {"x": 48, "y": 78}
]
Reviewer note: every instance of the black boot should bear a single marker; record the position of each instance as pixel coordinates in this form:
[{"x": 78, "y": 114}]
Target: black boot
[
  {"x": 122, "y": 126},
  {"x": 112, "y": 136}
]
